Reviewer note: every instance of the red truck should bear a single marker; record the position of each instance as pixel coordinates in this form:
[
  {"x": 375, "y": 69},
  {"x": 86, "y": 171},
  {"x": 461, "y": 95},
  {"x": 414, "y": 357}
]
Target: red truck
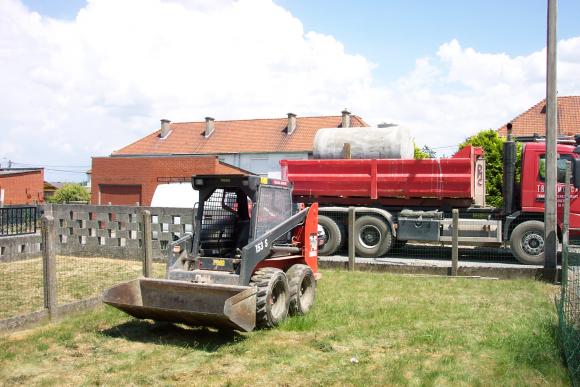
[{"x": 400, "y": 200}]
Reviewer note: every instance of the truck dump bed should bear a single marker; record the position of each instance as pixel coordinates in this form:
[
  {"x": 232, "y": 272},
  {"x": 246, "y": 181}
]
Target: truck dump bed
[{"x": 459, "y": 180}]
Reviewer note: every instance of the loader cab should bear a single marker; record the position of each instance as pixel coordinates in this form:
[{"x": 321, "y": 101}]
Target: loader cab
[{"x": 235, "y": 210}]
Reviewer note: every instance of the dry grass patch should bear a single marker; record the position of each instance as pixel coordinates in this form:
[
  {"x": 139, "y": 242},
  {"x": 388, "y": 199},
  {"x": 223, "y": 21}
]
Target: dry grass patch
[{"x": 21, "y": 283}]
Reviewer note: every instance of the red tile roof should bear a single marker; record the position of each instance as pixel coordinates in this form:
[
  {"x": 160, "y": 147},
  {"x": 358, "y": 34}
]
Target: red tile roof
[
  {"x": 534, "y": 120},
  {"x": 237, "y": 136}
]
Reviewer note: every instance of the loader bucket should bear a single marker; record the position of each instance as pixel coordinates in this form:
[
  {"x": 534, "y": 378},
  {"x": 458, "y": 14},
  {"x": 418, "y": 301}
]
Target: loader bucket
[{"x": 221, "y": 306}]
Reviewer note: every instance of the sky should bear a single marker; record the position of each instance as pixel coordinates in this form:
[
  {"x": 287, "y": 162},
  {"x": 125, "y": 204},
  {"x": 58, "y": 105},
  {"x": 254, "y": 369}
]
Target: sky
[{"x": 84, "y": 78}]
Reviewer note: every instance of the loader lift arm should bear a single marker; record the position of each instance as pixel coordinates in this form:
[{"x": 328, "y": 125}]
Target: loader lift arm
[{"x": 261, "y": 248}]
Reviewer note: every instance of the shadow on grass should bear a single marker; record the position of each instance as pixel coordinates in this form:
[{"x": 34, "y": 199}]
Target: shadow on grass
[{"x": 162, "y": 333}]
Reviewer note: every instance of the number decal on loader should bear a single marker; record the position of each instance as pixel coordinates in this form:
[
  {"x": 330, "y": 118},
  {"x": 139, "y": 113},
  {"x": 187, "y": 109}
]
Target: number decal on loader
[
  {"x": 261, "y": 245},
  {"x": 219, "y": 262}
]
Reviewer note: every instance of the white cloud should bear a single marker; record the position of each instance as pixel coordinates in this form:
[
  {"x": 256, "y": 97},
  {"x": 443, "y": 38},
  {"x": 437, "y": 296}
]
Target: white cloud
[
  {"x": 459, "y": 90},
  {"x": 75, "y": 89}
]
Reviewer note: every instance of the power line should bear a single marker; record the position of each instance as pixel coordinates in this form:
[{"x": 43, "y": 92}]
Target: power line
[{"x": 47, "y": 167}]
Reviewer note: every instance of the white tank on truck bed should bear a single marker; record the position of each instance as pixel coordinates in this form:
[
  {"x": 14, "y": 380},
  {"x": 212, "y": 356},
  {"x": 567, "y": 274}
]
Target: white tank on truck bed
[{"x": 392, "y": 142}]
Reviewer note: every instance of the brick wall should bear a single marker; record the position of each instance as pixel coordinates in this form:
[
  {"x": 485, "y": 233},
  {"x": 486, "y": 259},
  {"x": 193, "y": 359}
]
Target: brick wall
[
  {"x": 23, "y": 188},
  {"x": 146, "y": 173}
]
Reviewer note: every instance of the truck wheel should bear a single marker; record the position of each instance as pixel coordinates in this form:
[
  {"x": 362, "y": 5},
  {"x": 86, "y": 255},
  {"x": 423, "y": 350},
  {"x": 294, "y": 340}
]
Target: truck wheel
[
  {"x": 302, "y": 287},
  {"x": 332, "y": 236},
  {"x": 372, "y": 237},
  {"x": 272, "y": 297},
  {"x": 527, "y": 242}
]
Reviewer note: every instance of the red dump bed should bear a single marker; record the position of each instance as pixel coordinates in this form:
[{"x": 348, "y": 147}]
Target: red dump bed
[{"x": 439, "y": 179}]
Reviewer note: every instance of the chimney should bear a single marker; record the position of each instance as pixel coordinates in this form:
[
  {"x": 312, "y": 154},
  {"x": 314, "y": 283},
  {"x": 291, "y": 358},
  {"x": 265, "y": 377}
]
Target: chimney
[
  {"x": 345, "y": 118},
  {"x": 164, "y": 128},
  {"x": 291, "y": 123},
  {"x": 209, "y": 126}
]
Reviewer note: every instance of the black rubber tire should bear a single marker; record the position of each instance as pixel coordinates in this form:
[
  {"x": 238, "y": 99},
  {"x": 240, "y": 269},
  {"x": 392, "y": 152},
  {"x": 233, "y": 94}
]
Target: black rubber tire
[
  {"x": 371, "y": 226},
  {"x": 272, "y": 297},
  {"x": 302, "y": 287},
  {"x": 333, "y": 236},
  {"x": 527, "y": 242}
]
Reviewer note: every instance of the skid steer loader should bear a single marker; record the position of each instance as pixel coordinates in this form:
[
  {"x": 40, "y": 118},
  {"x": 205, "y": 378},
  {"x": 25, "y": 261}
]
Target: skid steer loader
[{"x": 250, "y": 261}]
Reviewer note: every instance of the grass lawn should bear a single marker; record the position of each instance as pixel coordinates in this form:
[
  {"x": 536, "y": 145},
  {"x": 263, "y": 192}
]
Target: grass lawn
[
  {"x": 366, "y": 329},
  {"x": 21, "y": 289}
]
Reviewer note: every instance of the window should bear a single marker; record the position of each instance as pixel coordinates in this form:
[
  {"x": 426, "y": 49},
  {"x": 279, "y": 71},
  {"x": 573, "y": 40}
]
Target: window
[{"x": 560, "y": 167}]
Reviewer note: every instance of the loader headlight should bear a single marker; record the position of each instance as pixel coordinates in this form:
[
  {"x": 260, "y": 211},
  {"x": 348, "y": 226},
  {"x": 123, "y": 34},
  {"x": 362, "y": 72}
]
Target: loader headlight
[{"x": 198, "y": 181}]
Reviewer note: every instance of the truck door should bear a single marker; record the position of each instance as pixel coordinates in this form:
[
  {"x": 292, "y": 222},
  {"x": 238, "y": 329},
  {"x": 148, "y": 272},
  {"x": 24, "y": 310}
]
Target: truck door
[{"x": 561, "y": 183}]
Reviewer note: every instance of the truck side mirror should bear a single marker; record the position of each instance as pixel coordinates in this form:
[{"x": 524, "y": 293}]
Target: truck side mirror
[{"x": 576, "y": 172}]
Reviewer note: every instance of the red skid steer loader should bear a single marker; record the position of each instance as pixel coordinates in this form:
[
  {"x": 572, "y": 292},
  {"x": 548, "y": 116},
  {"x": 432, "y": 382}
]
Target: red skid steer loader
[{"x": 250, "y": 261}]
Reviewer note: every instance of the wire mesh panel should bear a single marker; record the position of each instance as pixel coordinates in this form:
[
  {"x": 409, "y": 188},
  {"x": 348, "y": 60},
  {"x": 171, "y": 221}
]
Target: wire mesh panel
[
  {"x": 79, "y": 278},
  {"x": 569, "y": 310},
  {"x": 21, "y": 287},
  {"x": 377, "y": 238}
]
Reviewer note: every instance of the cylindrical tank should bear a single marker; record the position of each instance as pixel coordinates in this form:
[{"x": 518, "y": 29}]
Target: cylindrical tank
[{"x": 393, "y": 142}]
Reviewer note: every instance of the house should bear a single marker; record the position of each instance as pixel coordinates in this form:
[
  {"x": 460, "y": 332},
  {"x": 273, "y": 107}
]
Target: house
[
  {"x": 21, "y": 186},
  {"x": 532, "y": 123},
  {"x": 179, "y": 150}
]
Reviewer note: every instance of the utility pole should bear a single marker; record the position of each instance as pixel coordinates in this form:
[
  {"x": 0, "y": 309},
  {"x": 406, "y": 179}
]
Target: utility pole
[{"x": 551, "y": 239}]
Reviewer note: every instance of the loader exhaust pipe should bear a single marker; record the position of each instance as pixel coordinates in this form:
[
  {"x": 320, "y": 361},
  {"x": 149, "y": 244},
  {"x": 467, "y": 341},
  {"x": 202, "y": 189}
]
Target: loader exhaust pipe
[{"x": 509, "y": 171}]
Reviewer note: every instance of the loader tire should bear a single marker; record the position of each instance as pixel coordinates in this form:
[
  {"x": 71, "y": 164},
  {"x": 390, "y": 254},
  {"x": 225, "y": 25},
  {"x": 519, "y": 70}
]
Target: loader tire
[
  {"x": 333, "y": 236},
  {"x": 527, "y": 242},
  {"x": 372, "y": 237},
  {"x": 272, "y": 297},
  {"x": 302, "y": 287}
]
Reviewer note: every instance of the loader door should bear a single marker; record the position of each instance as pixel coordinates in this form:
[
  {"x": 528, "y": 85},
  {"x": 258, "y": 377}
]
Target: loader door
[{"x": 274, "y": 206}]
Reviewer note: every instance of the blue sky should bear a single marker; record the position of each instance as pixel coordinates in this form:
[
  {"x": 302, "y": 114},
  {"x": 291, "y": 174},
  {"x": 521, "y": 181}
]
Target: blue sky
[
  {"x": 394, "y": 34},
  {"x": 85, "y": 79}
]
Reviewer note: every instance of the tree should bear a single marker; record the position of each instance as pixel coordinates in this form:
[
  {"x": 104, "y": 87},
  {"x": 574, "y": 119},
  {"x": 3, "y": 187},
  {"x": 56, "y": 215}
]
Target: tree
[
  {"x": 424, "y": 153},
  {"x": 70, "y": 193},
  {"x": 492, "y": 145}
]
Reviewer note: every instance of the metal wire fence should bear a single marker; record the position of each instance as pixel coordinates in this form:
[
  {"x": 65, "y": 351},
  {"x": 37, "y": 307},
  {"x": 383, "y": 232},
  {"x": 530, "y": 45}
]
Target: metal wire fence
[
  {"x": 493, "y": 246},
  {"x": 33, "y": 287},
  {"x": 569, "y": 310},
  {"x": 21, "y": 287}
]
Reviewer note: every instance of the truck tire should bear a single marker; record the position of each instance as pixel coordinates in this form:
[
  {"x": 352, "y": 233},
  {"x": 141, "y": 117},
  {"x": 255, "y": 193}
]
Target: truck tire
[
  {"x": 302, "y": 287},
  {"x": 527, "y": 242},
  {"x": 332, "y": 234},
  {"x": 272, "y": 297},
  {"x": 372, "y": 237}
]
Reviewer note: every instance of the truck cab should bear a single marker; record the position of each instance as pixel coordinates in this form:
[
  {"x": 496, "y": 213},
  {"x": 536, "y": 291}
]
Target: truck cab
[{"x": 534, "y": 178}]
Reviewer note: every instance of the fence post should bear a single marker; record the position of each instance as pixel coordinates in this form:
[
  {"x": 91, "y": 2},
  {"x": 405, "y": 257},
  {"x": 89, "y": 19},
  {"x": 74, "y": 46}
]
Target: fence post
[
  {"x": 49, "y": 265},
  {"x": 351, "y": 216},
  {"x": 454, "y": 242},
  {"x": 147, "y": 244}
]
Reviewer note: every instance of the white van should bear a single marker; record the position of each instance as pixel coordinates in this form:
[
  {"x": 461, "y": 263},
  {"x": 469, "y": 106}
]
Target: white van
[{"x": 179, "y": 195}]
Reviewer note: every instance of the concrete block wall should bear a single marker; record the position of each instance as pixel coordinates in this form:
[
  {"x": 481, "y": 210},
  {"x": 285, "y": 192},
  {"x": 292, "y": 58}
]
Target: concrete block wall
[
  {"x": 102, "y": 231},
  {"x": 16, "y": 248}
]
